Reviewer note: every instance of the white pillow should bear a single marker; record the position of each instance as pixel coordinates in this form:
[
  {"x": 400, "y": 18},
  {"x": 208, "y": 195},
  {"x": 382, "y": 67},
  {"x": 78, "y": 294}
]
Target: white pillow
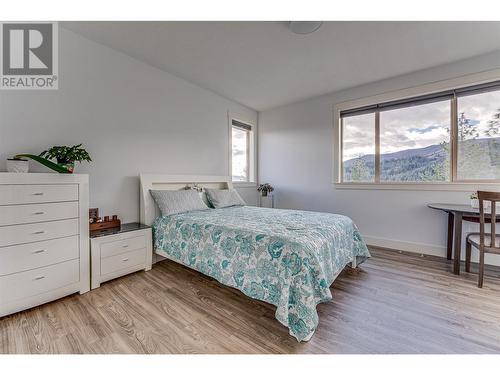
[
  {"x": 224, "y": 198},
  {"x": 173, "y": 202}
]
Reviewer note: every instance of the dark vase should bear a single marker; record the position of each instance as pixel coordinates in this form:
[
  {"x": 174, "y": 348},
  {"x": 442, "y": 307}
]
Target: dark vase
[{"x": 264, "y": 193}]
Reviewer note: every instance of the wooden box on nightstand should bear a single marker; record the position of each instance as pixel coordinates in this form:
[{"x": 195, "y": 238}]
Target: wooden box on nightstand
[{"x": 118, "y": 252}]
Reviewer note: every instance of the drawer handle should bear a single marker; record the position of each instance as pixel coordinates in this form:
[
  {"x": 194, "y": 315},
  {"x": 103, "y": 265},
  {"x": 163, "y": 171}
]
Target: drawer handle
[
  {"x": 125, "y": 260},
  {"x": 39, "y": 213},
  {"x": 39, "y": 278},
  {"x": 40, "y": 193},
  {"x": 40, "y": 232},
  {"x": 125, "y": 246},
  {"x": 39, "y": 251}
]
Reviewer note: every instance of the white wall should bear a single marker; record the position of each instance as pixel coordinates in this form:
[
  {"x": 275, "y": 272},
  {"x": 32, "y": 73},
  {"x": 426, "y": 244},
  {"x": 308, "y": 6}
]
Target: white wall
[
  {"x": 300, "y": 136},
  {"x": 131, "y": 117}
]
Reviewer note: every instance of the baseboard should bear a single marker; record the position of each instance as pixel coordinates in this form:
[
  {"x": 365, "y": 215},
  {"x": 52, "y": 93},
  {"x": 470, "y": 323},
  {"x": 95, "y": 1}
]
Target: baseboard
[
  {"x": 412, "y": 247},
  {"x": 422, "y": 248}
]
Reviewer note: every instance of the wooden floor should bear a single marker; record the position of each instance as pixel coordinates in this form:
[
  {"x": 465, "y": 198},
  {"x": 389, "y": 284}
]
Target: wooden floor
[{"x": 396, "y": 303}]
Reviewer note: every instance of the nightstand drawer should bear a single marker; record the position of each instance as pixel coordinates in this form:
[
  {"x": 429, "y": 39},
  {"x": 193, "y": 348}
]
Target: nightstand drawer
[
  {"x": 23, "y": 194},
  {"x": 35, "y": 213},
  {"x": 25, "y": 233},
  {"x": 123, "y": 261},
  {"x": 30, "y": 283},
  {"x": 20, "y": 258},
  {"x": 122, "y": 246}
]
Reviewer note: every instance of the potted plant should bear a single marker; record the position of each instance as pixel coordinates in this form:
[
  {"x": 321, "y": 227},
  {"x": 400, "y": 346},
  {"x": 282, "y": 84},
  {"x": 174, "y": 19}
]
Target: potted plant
[
  {"x": 66, "y": 156},
  {"x": 265, "y": 189},
  {"x": 17, "y": 165},
  {"x": 474, "y": 202}
]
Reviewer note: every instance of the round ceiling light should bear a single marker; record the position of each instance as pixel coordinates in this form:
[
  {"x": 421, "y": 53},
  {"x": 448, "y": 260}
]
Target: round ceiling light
[{"x": 304, "y": 27}]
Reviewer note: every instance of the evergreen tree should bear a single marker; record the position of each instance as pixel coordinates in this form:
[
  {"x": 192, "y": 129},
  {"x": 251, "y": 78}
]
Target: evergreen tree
[{"x": 360, "y": 171}]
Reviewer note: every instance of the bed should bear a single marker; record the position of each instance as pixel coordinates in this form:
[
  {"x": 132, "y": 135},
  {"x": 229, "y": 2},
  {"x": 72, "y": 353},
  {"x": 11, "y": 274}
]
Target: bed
[{"x": 287, "y": 258}]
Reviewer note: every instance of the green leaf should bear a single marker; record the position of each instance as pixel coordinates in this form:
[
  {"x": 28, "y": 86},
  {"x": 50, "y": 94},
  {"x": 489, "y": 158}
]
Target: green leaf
[{"x": 43, "y": 161}]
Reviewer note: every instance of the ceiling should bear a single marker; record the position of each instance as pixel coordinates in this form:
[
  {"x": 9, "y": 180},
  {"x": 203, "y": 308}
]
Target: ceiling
[{"x": 264, "y": 65}]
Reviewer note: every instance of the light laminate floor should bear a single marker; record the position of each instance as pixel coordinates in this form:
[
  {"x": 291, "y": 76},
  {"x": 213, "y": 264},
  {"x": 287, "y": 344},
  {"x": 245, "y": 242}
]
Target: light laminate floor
[{"x": 396, "y": 303}]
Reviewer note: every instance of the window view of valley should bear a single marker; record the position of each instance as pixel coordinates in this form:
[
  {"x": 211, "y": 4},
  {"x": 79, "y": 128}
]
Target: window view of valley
[{"x": 415, "y": 142}]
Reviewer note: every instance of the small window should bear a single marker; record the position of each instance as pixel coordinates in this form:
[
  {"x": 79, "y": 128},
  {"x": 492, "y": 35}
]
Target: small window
[{"x": 241, "y": 151}]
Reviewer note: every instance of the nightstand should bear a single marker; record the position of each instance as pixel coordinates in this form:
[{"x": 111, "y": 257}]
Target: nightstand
[
  {"x": 118, "y": 252},
  {"x": 267, "y": 201}
]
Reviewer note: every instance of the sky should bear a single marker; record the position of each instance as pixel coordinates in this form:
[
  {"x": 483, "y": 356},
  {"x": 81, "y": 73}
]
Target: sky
[{"x": 415, "y": 127}]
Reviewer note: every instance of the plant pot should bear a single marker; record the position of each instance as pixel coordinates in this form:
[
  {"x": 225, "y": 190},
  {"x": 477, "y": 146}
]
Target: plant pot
[
  {"x": 474, "y": 203},
  {"x": 17, "y": 165},
  {"x": 264, "y": 193},
  {"x": 69, "y": 166}
]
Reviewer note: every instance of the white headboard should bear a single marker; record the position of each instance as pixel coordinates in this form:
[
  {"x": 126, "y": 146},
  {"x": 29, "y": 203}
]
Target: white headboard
[{"x": 149, "y": 209}]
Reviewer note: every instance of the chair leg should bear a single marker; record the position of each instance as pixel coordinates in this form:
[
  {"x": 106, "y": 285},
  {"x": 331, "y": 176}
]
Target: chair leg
[
  {"x": 481, "y": 269},
  {"x": 468, "y": 251}
]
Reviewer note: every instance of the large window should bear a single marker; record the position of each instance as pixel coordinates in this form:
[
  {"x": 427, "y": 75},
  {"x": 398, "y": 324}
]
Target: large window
[
  {"x": 451, "y": 136},
  {"x": 241, "y": 151}
]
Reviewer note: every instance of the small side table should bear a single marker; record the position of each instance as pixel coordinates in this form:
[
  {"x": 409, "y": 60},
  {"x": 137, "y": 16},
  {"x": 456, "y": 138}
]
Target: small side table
[
  {"x": 118, "y": 252},
  {"x": 267, "y": 201}
]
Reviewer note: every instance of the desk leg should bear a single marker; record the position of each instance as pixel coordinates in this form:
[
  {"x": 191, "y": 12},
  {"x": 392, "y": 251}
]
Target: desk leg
[
  {"x": 450, "y": 236},
  {"x": 458, "y": 243}
]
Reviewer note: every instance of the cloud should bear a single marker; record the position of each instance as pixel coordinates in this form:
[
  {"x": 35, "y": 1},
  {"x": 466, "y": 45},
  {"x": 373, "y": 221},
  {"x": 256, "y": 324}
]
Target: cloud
[{"x": 424, "y": 130}]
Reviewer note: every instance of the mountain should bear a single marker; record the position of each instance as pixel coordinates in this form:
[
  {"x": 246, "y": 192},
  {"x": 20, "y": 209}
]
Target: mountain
[{"x": 422, "y": 164}]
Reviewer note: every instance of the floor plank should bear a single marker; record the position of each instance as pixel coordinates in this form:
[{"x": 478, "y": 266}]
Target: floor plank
[{"x": 394, "y": 303}]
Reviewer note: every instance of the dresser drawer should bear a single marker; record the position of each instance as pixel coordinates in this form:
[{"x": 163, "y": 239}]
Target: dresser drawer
[
  {"x": 20, "y": 258},
  {"x": 25, "y": 233},
  {"x": 30, "y": 283},
  {"x": 35, "y": 213},
  {"x": 122, "y": 246},
  {"x": 123, "y": 261},
  {"x": 24, "y": 194}
]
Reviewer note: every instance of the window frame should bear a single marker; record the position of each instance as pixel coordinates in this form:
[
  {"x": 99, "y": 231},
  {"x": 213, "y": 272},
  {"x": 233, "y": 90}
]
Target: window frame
[
  {"x": 408, "y": 94},
  {"x": 251, "y": 151}
]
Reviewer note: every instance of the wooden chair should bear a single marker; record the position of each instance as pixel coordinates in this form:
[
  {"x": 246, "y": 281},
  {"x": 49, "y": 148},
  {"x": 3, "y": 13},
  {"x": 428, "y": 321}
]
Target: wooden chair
[
  {"x": 484, "y": 242},
  {"x": 451, "y": 223}
]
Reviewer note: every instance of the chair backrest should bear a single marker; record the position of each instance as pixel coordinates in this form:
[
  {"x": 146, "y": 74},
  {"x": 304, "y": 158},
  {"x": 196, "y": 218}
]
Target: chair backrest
[{"x": 493, "y": 198}]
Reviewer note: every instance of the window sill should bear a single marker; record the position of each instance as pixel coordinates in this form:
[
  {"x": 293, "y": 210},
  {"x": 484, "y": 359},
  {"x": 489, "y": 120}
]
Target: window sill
[
  {"x": 244, "y": 184},
  {"x": 423, "y": 186}
]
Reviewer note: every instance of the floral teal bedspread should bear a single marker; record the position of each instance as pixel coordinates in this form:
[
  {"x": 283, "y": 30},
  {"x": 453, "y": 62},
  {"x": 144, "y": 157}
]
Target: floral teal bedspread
[{"x": 287, "y": 258}]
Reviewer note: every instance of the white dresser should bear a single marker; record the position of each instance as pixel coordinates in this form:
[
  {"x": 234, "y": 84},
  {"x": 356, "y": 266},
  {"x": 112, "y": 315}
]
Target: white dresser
[{"x": 44, "y": 238}]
